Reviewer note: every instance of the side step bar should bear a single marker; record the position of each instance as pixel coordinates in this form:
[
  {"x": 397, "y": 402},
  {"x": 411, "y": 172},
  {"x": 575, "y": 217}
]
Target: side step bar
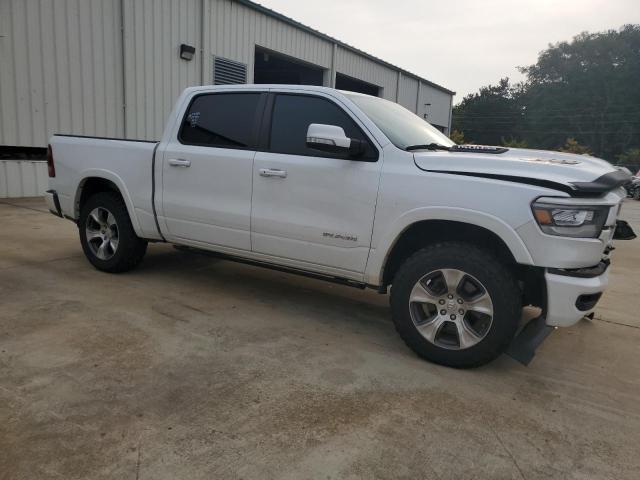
[{"x": 271, "y": 266}]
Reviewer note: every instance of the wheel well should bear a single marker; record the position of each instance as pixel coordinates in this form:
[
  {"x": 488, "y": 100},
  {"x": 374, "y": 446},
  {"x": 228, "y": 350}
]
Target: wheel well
[
  {"x": 427, "y": 232},
  {"x": 92, "y": 185}
]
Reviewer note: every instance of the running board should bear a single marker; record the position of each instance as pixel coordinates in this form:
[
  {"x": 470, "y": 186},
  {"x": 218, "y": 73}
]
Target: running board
[
  {"x": 523, "y": 347},
  {"x": 271, "y": 266}
]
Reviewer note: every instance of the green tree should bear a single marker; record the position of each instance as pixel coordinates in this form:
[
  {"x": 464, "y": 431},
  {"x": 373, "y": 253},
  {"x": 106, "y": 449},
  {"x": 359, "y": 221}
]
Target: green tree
[
  {"x": 572, "y": 146},
  {"x": 458, "y": 137},
  {"x": 586, "y": 89},
  {"x": 488, "y": 115}
]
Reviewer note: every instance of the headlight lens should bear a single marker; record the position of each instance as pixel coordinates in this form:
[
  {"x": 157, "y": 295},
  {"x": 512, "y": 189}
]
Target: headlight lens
[{"x": 583, "y": 221}]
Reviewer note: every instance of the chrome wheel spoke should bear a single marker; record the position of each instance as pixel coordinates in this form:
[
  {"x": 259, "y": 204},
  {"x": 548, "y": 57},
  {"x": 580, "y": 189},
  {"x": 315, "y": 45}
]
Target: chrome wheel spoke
[
  {"x": 481, "y": 304},
  {"x": 451, "y": 309},
  {"x": 466, "y": 337},
  {"x": 93, "y": 234},
  {"x": 421, "y": 295},
  {"x": 101, "y": 231},
  {"x": 430, "y": 330},
  {"x": 452, "y": 278}
]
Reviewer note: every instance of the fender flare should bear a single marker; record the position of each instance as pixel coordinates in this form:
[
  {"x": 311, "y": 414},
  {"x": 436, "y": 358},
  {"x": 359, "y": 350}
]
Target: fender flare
[
  {"x": 382, "y": 248},
  {"x": 120, "y": 185}
]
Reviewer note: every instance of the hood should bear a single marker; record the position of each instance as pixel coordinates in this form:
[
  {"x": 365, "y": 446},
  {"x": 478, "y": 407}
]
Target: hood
[{"x": 578, "y": 175}]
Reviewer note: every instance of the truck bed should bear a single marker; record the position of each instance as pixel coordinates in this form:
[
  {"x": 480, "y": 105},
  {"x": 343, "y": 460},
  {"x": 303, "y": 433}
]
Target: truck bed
[{"x": 126, "y": 163}]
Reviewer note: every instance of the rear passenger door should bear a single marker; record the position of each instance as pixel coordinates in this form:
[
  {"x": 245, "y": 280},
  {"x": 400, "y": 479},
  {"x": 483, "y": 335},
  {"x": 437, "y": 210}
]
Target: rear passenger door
[
  {"x": 317, "y": 210},
  {"x": 207, "y": 170}
]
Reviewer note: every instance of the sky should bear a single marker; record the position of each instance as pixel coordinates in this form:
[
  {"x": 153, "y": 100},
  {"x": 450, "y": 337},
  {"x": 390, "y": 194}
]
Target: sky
[{"x": 459, "y": 44}]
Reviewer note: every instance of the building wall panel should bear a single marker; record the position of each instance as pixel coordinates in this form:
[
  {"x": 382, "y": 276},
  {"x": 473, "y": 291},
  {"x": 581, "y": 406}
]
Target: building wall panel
[
  {"x": 60, "y": 66},
  {"x": 356, "y": 66},
  {"x": 408, "y": 94},
  {"x": 439, "y": 112},
  {"x": 22, "y": 178},
  {"x": 236, "y": 30}
]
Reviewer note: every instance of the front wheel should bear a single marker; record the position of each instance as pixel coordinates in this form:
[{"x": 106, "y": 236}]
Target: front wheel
[
  {"x": 455, "y": 304},
  {"x": 107, "y": 236}
]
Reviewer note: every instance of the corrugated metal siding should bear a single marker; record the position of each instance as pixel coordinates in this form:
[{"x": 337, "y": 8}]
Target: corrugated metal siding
[
  {"x": 22, "y": 178},
  {"x": 154, "y": 72},
  {"x": 439, "y": 110},
  {"x": 64, "y": 67},
  {"x": 60, "y": 69},
  {"x": 408, "y": 92},
  {"x": 357, "y": 66},
  {"x": 235, "y": 30}
]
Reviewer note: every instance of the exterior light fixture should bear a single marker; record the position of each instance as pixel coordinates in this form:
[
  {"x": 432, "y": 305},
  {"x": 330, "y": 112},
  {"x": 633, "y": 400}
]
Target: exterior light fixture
[{"x": 187, "y": 52}]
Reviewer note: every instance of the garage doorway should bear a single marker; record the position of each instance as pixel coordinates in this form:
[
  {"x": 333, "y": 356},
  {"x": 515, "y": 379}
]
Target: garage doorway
[
  {"x": 270, "y": 67},
  {"x": 344, "y": 82}
]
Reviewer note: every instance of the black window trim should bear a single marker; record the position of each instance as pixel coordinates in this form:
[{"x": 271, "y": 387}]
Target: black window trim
[
  {"x": 255, "y": 129},
  {"x": 265, "y": 134}
]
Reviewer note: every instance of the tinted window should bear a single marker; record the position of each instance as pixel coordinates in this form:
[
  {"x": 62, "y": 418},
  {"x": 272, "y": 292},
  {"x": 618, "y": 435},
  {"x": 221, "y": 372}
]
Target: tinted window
[
  {"x": 292, "y": 115},
  {"x": 221, "y": 120}
]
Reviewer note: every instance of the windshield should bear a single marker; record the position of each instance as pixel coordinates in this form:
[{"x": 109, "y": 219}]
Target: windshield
[{"x": 402, "y": 127}]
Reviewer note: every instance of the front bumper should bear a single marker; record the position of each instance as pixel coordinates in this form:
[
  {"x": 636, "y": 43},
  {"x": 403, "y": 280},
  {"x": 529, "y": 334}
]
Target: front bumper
[{"x": 572, "y": 294}]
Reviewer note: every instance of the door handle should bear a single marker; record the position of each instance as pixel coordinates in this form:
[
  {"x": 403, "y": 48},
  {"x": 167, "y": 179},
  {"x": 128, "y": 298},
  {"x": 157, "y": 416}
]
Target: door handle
[
  {"x": 269, "y": 172},
  {"x": 179, "y": 162}
]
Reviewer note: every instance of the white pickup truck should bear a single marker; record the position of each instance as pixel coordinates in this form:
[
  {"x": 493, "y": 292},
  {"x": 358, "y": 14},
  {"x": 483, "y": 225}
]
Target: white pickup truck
[{"x": 356, "y": 189}]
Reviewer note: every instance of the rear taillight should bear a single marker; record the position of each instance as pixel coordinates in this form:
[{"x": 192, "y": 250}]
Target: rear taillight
[{"x": 50, "y": 165}]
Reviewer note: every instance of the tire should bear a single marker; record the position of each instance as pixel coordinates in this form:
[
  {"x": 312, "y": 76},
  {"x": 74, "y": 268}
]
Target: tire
[
  {"x": 636, "y": 193},
  {"x": 104, "y": 222},
  {"x": 485, "y": 305}
]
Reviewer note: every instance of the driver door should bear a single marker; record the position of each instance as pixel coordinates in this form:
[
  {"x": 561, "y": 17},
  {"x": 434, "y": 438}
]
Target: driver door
[{"x": 313, "y": 208}]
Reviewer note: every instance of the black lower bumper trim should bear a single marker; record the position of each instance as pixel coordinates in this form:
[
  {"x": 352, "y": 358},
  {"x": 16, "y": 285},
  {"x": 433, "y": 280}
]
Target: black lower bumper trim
[
  {"x": 523, "y": 346},
  {"x": 588, "y": 272},
  {"x": 623, "y": 231},
  {"x": 56, "y": 203}
]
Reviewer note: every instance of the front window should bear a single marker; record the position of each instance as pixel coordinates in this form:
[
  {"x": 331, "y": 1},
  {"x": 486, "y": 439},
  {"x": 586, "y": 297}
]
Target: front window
[{"x": 402, "y": 127}]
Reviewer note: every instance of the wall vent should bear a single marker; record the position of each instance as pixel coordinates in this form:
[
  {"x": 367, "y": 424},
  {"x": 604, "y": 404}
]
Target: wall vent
[{"x": 228, "y": 72}]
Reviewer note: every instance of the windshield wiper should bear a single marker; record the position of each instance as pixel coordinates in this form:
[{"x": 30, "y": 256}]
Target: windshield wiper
[{"x": 431, "y": 146}]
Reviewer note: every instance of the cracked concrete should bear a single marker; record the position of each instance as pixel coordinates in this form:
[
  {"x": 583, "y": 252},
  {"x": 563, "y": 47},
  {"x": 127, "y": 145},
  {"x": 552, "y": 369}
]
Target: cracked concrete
[{"x": 193, "y": 367}]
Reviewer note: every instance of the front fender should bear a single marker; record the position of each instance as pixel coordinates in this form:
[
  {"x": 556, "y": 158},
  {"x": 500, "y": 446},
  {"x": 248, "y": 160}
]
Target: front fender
[{"x": 383, "y": 247}]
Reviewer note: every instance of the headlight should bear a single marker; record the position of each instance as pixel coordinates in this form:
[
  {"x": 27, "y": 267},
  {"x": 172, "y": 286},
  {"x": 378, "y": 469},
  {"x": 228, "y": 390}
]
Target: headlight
[{"x": 582, "y": 221}]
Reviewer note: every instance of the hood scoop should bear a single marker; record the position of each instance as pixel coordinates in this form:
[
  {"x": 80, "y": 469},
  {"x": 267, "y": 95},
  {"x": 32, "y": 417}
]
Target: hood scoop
[{"x": 478, "y": 149}]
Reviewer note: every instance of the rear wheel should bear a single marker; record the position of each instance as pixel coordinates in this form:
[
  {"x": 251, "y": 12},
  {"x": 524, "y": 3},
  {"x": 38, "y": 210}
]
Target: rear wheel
[
  {"x": 455, "y": 304},
  {"x": 107, "y": 236}
]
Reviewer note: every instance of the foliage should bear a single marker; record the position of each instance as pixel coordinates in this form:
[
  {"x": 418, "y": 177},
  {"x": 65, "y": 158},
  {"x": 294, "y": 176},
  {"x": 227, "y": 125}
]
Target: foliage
[
  {"x": 586, "y": 89},
  {"x": 630, "y": 157},
  {"x": 514, "y": 143},
  {"x": 458, "y": 137},
  {"x": 572, "y": 146}
]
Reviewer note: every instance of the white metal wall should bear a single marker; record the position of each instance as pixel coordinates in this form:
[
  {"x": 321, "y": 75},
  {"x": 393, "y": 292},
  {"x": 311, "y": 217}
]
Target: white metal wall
[
  {"x": 22, "y": 178},
  {"x": 111, "y": 67},
  {"x": 60, "y": 69}
]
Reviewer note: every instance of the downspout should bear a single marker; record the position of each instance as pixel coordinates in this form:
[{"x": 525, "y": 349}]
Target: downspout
[
  {"x": 398, "y": 86},
  {"x": 332, "y": 80},
  {"x": 203, "y": 37},
  {"x": 450, "y": 113},
  {"x": 418, "y": 97},
  {"x": 124, "y": 71}
]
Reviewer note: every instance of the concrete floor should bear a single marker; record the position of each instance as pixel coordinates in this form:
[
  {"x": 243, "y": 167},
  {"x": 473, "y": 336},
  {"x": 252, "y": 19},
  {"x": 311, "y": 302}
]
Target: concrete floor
[{"x": 192, "y": 367}]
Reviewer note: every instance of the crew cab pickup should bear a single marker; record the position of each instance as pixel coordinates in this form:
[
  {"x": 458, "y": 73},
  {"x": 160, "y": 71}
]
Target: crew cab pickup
[{"x": 356, "y": 189}]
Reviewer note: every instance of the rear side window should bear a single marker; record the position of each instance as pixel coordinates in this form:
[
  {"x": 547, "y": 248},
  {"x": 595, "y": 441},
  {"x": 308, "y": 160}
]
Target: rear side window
[
  {"x": 292, "y": 115},
  {"x": 223, "y": 120}
]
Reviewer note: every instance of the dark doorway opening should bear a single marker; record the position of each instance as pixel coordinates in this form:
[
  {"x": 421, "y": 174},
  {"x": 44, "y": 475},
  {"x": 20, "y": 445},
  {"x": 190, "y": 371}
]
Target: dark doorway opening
[
  {"x": 270, "y": 67},
  {"x": 344, "y": 82}
]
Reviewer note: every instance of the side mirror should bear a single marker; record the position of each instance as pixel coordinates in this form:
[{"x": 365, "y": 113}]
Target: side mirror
[{"x": 331, "y": 138}]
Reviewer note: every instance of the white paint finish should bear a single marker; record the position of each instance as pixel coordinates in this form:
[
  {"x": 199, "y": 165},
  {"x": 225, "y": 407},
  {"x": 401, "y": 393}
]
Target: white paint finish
[
  {"x": 154, "y": 73},
  {"x": 210, "y": 200},
  {"x": 562, "y": 293},
  {"x": 439, "y": 112},
  {"x": 61, "y": 70},
  {"x": 22, "y": 178}
]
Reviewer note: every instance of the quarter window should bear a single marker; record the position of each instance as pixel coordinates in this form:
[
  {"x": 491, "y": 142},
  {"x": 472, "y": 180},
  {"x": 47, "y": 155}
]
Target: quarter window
[
  {"x": 292, "y": 115},
  {"x": 223, "y": 120}
]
